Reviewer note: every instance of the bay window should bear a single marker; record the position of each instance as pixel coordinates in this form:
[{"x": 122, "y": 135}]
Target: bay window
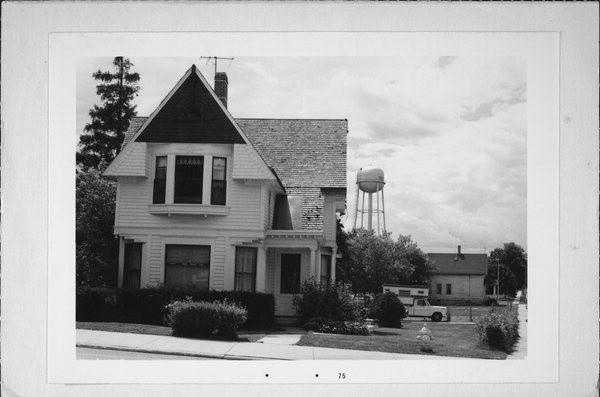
[{"x": 189, "y": 174}]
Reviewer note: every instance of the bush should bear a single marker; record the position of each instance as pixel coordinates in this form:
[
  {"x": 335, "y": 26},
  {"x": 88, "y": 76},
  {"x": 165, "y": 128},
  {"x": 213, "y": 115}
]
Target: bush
[
  {"x": 96, "y": 304},
  {"x": 330, "y": 301},
  {"x": 147, "y": 305},
  {"x": 329, "y": 326},
  {"x": 499, "y": 329},
  {"x": 205, "y": 319},
  {"x": 490, "y": 302},
  {"x": 387, "y": 309}
]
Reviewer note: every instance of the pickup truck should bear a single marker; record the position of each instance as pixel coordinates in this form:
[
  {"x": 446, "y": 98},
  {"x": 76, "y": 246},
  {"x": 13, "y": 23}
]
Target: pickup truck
[{"x": 420, "y": 307}]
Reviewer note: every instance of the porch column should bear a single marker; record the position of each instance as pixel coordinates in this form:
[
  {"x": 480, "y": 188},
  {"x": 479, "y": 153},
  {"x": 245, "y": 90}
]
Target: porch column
[
  {"x": 121, "y": 262},
  {"x": 261, "y": 268},
  {"x": 312, "y": 262},
  {"x": 333, "y": 255}
]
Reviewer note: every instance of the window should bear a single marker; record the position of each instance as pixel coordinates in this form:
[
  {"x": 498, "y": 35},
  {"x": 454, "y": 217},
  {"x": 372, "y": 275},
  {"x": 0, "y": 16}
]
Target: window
[
  {"x": 132, "y": 265},
  {"x": 325, "y": 269},
  {"x": 448, "y": 289},
  {"x": 438, "y": 289},
  {"x": 245, "y": 269},
  {"x": 160, "y": 180},
  {"x": 188, "y": 179},
  {"x": 187, "y": 266},
  {"x": 290, "y": 274},
  {"x": 420, "y": 302},
  {"x": 218, "y": 188}
]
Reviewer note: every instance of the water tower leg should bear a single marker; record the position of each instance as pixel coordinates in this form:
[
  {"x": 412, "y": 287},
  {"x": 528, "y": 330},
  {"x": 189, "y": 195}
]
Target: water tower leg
[
  {"x": 383, "y": 209},
  {"x": 355, "y": 208},
  {"x": 370, "y": 218},
  {"x": 362, "y": 212},
  {"x": 377, "y": 208}
]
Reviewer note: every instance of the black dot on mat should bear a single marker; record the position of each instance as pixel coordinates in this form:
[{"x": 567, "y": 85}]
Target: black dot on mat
[
  {"x": 267, "y": 375},
  {"x": 316, "y": 375}
]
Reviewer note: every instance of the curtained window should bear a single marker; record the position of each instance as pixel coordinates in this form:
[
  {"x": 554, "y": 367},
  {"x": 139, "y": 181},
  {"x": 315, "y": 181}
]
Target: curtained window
[
  {"x": 189, "y": 172},
  {"x": 187, "y": 266},
  {"x": 160, "y": 180},
  {"x": 219, "y": 184},
  {"x": 245, "y": 269}
]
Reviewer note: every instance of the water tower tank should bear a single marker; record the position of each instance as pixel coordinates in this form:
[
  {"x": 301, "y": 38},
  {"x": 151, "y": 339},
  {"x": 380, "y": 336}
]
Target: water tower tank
[{"x": 370, "y": 179}]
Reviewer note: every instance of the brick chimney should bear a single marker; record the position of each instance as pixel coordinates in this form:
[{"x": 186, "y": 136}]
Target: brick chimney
[{"x": 221, "y": 85}]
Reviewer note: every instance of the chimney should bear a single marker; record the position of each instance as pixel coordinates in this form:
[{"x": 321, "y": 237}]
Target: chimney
[
  {"x": 221, "y": 84},
  {"x": 459, "y": 250}
]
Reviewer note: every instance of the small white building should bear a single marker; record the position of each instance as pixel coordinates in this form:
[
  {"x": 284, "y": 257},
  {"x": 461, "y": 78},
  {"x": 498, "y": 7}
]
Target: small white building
[
  {"x": 458, "y": 278},
  {"x": 214, "y": 202}
]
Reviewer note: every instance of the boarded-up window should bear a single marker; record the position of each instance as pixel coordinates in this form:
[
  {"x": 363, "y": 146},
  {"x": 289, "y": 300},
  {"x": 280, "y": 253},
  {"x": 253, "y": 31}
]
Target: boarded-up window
[
  {"x": 160, "y": 180},
  {"x": 189, "y": 172},
  {"x": 245, "y": 269},
  {"x": 218, "y": 190},
  {"x": 290, "y": 273},
  {"x": 187, "y": 266}
]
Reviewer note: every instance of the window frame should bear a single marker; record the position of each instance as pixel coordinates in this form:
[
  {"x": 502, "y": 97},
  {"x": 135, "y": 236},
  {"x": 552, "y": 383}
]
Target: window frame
[
  {"x": 164, "y": 180},
  {"x": 448, "y": 289},
  {"x": 127, "y": 270},
  {"x": 237, "y": 274},
  {"x": 177, "y": 244},
  {"x": 438, "y": 289},
  {"x": 178, "y": 199},
  {"x": 328, "y": 263},
  {"x": 213, "y": 181}
]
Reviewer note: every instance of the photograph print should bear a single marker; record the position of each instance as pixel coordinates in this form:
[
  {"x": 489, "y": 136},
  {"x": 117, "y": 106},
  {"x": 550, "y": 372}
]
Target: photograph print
[{"x": 301, "y": 208}]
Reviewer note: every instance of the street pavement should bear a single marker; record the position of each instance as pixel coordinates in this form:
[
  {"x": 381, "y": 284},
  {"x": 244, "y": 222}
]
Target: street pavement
[{"x": 269, "y": 348}]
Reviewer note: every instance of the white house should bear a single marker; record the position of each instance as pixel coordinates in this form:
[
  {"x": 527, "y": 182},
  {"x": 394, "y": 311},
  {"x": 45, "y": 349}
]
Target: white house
[
  {"x": 219, "y": 203},
  {"x": 458, "y": 277}
]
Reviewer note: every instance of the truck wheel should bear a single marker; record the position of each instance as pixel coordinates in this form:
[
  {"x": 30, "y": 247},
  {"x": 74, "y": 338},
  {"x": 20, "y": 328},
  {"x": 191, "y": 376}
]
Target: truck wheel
[{"x": 437, "y": 317}]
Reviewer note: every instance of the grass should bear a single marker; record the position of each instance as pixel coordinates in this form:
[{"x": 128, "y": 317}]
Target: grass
[{"x": 454, "y": 340}]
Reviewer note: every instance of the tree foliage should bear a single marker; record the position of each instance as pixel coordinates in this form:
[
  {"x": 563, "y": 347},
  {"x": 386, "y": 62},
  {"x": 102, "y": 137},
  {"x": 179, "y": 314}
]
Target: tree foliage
[
  {"x": 103, "y": 136},
  {"x": 96, "y": 246},
  {"x": 372, "y": 260},
  {"x": 512, "y": 262}
]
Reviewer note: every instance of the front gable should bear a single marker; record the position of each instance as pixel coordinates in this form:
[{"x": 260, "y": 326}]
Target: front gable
[{"x": 191, "y": 115}]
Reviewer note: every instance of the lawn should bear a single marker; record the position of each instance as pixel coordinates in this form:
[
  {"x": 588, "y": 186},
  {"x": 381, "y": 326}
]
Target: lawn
[{"x": 455, "y": 340}]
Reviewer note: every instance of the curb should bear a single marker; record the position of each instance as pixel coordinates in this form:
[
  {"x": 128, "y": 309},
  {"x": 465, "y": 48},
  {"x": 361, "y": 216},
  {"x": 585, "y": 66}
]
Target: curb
[{"x": 203, "y": 355}]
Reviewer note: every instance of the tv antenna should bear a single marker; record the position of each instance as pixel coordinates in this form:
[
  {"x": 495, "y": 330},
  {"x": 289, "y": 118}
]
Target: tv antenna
[{"x": 216, "y": 59}]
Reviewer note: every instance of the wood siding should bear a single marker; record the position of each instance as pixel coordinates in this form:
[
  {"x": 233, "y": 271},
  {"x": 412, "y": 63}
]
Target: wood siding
[{"x": 464, "y": 287}]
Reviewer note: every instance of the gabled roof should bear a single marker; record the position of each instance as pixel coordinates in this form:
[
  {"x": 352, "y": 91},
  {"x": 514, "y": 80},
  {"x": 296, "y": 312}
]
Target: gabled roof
[
  {"x": 474, "y": 264},
  {"x": 303, "y": 152},
  {"x": 190, "y": 113}
]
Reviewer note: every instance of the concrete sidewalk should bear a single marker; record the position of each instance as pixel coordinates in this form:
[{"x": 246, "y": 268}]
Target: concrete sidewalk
[
  {"x": 230, "y": 350},
  {"x": 520, "y": 348}
]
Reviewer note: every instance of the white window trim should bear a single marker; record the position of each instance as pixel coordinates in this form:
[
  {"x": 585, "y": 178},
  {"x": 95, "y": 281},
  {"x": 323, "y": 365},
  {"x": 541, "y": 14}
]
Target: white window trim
[{"x": 187, "y": 241}]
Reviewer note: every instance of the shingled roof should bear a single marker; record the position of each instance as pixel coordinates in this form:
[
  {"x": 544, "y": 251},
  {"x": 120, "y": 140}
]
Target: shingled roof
[
  {"x": 474, "y": 264},
  {"x": 302, "y": 152}
]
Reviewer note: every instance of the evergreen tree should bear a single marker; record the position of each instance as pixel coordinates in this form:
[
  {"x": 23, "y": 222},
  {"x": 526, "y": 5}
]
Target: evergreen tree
[{"x": 103, "y": 136}]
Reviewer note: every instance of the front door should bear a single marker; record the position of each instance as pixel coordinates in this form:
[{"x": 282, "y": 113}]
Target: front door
[{"x": 290, "y": 273}]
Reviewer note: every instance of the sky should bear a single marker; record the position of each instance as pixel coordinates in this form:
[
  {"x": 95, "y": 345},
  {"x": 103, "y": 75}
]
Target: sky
[{"x": 450, "y": 133}]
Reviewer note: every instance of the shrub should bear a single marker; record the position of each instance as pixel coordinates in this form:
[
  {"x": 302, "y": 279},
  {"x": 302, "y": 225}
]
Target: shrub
[
  {"x": 329, "y": 326},
  {"x": 387, "y": 309},
  {"x": 95, "y": 304},
  {"x": 205, "y": 319},
  {"x": 499, "y": 329},
  {"x": 330, "y": 301}
]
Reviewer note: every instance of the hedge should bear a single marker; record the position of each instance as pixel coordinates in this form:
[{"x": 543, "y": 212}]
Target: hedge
[
  {"x": 205, "y": 319},
  {"x": 147, "y": 305}
]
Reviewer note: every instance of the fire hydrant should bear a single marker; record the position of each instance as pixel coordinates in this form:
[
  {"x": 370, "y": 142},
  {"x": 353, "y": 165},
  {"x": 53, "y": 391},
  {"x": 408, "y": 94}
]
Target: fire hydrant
[{"x": 425, "y": 339}]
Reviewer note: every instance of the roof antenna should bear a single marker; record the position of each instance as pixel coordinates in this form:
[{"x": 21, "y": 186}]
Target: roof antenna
[{"x": 216, "y": 59}]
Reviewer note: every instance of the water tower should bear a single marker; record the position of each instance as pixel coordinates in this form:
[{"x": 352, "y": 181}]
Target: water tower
[{"x": 369, "y": 180}]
